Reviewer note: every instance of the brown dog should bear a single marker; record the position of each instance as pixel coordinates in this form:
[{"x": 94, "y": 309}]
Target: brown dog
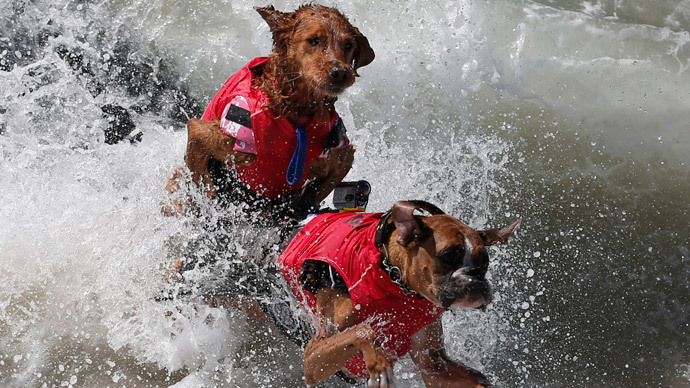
[
  {"x": 249, "y": 126},
  {"x": 378, "y": 284}
]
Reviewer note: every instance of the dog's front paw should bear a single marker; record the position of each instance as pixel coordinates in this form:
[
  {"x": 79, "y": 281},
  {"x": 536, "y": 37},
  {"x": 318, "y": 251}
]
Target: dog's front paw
[
  {"x": 379, "y": 367},
  {"x": 341, "y": 158},
  {"x": 173, "y": 208},
  {"x": 382, "y": 380},
  {"x": 319, "y": 168}
]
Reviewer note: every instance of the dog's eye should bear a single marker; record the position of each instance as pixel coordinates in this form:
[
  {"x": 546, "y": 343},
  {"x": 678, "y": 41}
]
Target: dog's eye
[
  {"x": 314, "y": 41},
  {"x": 452, "y": 257},
  {"x": 483, "y": 259},
  {"x": 349, "y": 45}
]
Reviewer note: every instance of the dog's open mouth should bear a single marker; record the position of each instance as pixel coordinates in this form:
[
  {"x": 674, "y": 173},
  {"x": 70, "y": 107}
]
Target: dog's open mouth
[
  {"x": 468, "y": 301},
  {"x": 464, "y": 291},
  {"x": 334, "y": 88}
]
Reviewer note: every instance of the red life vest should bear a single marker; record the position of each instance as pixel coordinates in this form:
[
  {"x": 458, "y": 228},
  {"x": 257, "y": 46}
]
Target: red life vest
[
  {"x": 346, "y": 241},
  {"x": 275, "y": 138}
]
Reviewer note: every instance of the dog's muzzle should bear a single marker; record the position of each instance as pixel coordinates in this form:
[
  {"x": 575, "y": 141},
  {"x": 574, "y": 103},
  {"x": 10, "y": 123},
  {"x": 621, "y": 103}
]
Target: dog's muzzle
[
  {"x": 466, "y": 287},
  {"x": 339, "y": 75},
  {"x": 339, "y": 79}
]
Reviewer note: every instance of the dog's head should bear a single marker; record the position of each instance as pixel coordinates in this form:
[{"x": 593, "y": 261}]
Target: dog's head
[
  {"x": 442, "y": 258},
  {"x": 325, "y": 47}
]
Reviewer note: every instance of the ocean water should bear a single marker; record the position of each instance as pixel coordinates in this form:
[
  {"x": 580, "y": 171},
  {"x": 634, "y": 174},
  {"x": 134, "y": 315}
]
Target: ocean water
[{"x": 573, "y": 116}]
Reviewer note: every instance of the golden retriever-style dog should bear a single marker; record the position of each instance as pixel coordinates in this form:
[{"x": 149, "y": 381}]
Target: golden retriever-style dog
[{"x": 271, "y": 135}]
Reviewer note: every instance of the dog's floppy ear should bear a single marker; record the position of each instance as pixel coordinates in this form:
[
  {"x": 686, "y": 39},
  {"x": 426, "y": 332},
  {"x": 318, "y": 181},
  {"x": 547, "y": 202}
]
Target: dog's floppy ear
[
  {"x": 405, "y": 222},
  {"x": 364, "y": 54},
  {"x": 278, "y": 22},
  {"x": 492, "y": 236}
]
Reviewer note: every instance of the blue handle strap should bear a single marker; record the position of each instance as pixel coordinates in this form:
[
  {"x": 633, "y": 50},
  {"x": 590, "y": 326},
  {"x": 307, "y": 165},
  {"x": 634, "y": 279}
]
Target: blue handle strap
[{"x": 296, "y": 167}]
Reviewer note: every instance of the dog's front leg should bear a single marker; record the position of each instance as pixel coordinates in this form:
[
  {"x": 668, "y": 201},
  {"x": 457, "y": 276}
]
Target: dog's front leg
[
  {"x": 205, "y": 140},
  {"x": 339, "y": 338},
  {"x": 200, "y": 138},
  {"x": 325, "y": 355},
  {"x": 437, "y": 369},
  {"x": 329, "y": 171}
]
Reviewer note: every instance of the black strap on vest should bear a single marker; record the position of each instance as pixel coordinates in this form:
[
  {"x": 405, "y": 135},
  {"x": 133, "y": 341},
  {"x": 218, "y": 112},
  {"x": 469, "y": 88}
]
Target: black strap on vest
[
  {"x": 257, "y": 70},
  {"x": 337, "y": 134},
  {"x": 240, "y": 116}
]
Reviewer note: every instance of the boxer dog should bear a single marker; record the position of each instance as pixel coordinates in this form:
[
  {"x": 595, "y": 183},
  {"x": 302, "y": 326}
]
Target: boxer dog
[{"x": 377, "y": 285}]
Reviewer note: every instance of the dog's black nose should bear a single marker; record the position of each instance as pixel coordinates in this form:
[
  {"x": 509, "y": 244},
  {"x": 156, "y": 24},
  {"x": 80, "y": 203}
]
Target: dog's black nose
[
  {"x": 339, "y": 74},
  {"x": 475, "y": 272}
]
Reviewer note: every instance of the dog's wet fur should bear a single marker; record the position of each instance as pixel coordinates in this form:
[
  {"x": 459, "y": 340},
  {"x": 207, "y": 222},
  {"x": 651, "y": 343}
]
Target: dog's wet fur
[{"x": 316, "y": 54}]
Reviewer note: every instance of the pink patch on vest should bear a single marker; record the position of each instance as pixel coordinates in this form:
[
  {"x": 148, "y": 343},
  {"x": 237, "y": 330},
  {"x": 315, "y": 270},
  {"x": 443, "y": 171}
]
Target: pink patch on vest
[{"x": 244, "y": 136}]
